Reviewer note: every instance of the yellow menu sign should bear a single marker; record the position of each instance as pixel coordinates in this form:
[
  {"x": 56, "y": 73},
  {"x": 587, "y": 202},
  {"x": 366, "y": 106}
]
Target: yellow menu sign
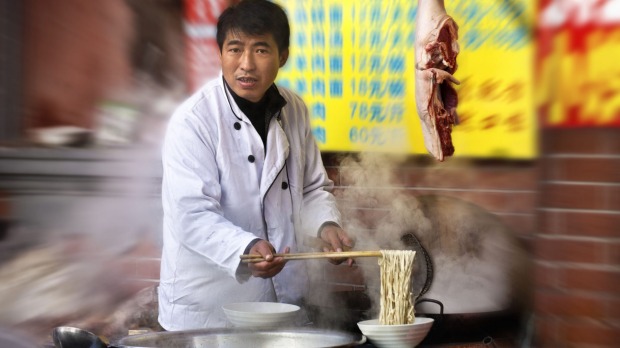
[{"x": 353, "y": 63}]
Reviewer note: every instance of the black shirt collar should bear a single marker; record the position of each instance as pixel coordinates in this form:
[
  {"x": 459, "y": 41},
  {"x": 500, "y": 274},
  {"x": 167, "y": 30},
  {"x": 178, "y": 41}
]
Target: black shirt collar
[{"x": 271, "y": 103}]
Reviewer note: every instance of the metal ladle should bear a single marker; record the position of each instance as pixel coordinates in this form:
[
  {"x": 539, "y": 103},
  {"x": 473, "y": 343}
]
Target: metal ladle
[{"x": 71, "y": 337}]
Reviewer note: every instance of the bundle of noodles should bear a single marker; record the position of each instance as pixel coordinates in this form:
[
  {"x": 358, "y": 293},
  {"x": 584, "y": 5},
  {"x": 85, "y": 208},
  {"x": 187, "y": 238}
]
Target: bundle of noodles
[{"x": 396, "y": 267}]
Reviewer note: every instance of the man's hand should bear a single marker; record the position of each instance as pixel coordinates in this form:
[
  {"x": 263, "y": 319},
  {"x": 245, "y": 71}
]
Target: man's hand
[
  {"x": 272, "y": 265},
  {"x": 338, "y": 239}
]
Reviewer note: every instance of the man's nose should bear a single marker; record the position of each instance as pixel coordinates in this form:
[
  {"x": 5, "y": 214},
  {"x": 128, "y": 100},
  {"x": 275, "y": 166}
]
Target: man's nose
[{"x": 247, "y": 61}]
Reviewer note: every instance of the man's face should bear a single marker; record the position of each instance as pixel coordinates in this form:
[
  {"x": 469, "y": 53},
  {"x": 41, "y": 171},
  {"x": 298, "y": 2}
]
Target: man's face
[{"x": 250, "y": 64}]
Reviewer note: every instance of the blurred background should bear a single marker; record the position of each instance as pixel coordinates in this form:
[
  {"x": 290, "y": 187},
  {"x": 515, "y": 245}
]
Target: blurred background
[{"x": 86, "y": 89}]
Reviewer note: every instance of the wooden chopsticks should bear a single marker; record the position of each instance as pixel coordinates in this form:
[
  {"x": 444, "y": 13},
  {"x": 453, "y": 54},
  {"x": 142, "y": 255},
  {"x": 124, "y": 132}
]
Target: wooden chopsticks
[{"x": 318, "y": 255}]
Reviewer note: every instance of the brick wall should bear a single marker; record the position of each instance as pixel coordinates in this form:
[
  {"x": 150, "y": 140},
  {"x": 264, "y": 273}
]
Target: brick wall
[
  {"x": 505, "y": 188},
  {"x": 577, "y": 244}
]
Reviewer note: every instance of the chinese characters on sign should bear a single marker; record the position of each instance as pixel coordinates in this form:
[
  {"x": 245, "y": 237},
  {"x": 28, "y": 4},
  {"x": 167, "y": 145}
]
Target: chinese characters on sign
[{"x": 353, "y": 63}]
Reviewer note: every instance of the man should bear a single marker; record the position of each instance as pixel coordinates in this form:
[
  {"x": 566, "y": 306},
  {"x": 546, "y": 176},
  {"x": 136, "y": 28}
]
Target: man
[{"x": 242, "y": 174}]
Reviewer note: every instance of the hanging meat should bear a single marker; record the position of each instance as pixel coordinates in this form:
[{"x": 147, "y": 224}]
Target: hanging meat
[{"x": 436, "y": 99}]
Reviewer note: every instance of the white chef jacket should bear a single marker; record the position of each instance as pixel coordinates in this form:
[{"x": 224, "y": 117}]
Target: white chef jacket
[{"x": 220, "y": 191}]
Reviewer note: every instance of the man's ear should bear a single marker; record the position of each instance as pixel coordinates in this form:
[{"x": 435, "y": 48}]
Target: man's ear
[{"x": 283, "y": 57}]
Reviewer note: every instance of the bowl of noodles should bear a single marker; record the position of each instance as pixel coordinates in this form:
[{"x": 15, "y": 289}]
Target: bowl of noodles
[
  {"x": 396, "y": 336},
  {"x": 397, "y": 326}
]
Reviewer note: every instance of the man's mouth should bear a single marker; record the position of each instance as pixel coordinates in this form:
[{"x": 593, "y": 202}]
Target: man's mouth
[{"x": 247, "y": 81}]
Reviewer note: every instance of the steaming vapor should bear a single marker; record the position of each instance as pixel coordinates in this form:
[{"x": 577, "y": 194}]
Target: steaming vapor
[
  {"x": 373, "y": 186},
  {"x": 478, "y": 263},
  {"x": 377, "y": 212}
]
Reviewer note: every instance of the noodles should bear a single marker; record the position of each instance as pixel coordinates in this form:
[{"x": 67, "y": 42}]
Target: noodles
[{"x": 396, "y": 298}]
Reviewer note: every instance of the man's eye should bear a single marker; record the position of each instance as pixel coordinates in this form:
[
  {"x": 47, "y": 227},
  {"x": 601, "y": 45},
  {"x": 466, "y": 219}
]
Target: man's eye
[
  {"x": 262, "y": 51},
  {"x": 234, "y": 50}
]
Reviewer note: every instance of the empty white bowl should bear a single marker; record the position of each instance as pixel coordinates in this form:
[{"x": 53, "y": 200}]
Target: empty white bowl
[
  {"x": 396, "y": 336},
  {"x": 260, "y": 314}
]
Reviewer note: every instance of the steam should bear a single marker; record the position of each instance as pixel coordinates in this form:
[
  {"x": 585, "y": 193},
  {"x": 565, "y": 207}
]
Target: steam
[
  {"x": 375, "y": 189},
  {"x": 376, "y": 211},
  {"x": 478, "y": 263}
]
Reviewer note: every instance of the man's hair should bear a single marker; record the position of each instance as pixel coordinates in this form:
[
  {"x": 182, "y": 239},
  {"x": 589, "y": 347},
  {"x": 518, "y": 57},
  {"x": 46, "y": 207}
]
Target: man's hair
[{"x": 255, "y": 17}]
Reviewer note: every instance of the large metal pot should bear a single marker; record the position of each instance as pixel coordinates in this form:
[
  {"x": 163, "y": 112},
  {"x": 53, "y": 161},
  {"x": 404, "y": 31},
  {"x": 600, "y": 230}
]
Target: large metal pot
[
  {"x": 474, "y": 327},
  {"x": 237, "y": 338},
  {"x": 72, "y": 337},
  {"x": 469, "y": 327}
]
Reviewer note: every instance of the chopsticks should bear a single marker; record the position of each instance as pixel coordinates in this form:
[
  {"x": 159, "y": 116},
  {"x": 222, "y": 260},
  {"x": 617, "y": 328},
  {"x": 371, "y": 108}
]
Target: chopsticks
[{"x": 318, "y": 255}]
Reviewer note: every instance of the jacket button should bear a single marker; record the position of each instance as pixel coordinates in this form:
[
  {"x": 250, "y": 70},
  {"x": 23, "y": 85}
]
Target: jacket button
[
  {"x": 237, "y": 125},
  {"x": 251, "y": 158},
  {"x": 284, "y": 185}
]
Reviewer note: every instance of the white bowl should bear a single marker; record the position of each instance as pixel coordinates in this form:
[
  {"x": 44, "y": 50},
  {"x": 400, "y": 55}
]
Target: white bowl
[
  {"x": 260, "y": 314},
  {"x": 396, "y": 336}
]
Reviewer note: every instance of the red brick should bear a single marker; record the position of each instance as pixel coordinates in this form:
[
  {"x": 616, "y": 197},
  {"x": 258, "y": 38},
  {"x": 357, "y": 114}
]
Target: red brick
[
  {"x": 498, "y": 202},
  {"x": 592, "y": 169},
  {"x": 613, "y": 310},
  {"x": 507, "y": 179},
  {"x": 521, "y": 224},
  {"x": 590, "y": 224},
  {"x": 527, "y": 242},
  {"x": 570, "y": 250},
  {"x": 613, "y": 197},
  {"x": 546, "y": 276},
  {"x": 547, "y": 331},
  {"x": 411, "y": 177},
  {"x": 605, "y": 281},
  {"x": 591, "y": 332},
  {"x": 613, "y": 250},
  {"x": 522, "y": 202},
  {"x": 581, "y": 141},
  {"x": 551, "y": 222},
  {"x": 438, "y": 176},
  {"x": 491, "y": 201},
  {"x": 570, "y": 305},
  {"x": 573, "y": 196},
  {"x": 444, "y": 178}
]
